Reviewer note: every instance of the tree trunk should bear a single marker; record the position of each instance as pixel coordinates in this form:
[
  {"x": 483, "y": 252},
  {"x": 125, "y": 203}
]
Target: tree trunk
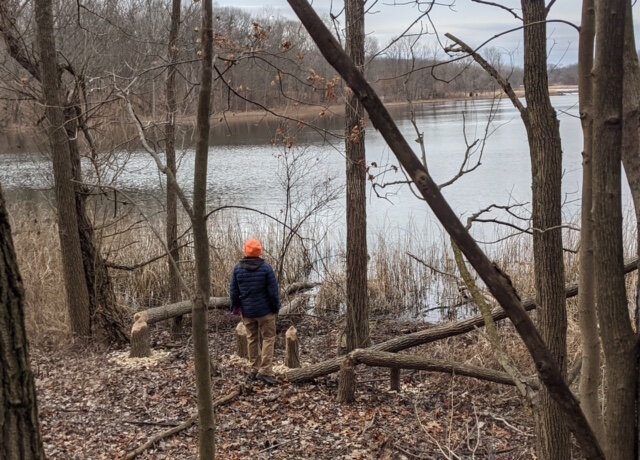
[
  {"x": 72, "y": 264},
  {"x": 618, "y": 339},
  {"x": 170, "y": 135},
  {"x": 201, "y": 243},
  {"x": 498, "y": 283},
  {"x": 357, "y": 258},
  {"x": 19, "y": 426},
  {"x": 109, "y": 320},
  {"x": 590, "y": 373},
  {"x": 631, "y": 153},
  {"x": 546, "y": 170}
]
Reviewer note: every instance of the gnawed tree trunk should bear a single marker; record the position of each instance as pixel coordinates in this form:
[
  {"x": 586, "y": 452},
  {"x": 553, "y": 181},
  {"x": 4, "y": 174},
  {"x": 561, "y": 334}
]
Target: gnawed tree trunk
[
  {"x": 497, "y": 282},
  {"x": 347, "y": 381},
  {"x": 242, "y": 343},
  {"x": 292, "y": 349},
  {"x": 590, "y": 373},
  {"x": 619, "y": 342},
  {"x": 170, "y": 135},
  {"x": 19, "y": 426},
  {"x": 545, "y": 149},
  {"x": 72, "y": 262},
  {"x": 199, "y": 316},
  {"x": 140, "y": 338},
  {"x": 357, "y": 332}
]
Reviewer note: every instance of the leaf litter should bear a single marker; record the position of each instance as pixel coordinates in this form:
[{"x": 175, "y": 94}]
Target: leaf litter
[{"x": 97, "y": 405}]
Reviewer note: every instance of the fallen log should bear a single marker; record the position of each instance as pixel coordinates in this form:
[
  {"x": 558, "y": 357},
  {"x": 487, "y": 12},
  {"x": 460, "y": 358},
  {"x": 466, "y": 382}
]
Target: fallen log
[
  {"x": 398, "y": 361},
  {"x": 176, "y": 429},
  {"x": 394, "y": 361},
  {"x": 432, "y": 334},
  {"x": 172, "y": 310}
]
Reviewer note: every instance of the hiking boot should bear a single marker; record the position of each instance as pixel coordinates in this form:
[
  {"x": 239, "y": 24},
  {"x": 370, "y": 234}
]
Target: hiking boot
[{"x": 267, "y": 379}]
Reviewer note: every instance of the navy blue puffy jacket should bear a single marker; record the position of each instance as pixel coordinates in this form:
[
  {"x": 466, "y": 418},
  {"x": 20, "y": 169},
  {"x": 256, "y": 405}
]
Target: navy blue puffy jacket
[{"x": 254, "y": 288}]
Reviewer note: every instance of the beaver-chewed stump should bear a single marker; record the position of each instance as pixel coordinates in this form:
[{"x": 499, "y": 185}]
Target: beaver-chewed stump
[
  {"x": 140, "y": 340},
  {"x": 242, "y": 344},
  {"x": 292, "y": 349}
]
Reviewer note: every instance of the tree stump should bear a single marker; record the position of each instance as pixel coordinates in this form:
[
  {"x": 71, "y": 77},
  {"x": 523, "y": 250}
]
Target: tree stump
[
  {"x": 242, "y": 344},
  {"x": 347, "y": 381},
  {"x": 395, "y": 379},
  {"x": 292, "y": 351},
  {"x": 140, "y": 340}
]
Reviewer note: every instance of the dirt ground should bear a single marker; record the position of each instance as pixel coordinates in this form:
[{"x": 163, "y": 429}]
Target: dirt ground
[{"x": 100, "y": 405}]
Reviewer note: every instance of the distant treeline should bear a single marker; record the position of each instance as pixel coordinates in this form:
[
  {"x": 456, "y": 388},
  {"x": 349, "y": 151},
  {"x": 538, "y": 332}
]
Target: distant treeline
[{"x": 264, "y": 60}]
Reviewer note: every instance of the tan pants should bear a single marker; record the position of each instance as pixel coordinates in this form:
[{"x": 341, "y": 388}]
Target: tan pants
[{"x": 265, "y": 328}]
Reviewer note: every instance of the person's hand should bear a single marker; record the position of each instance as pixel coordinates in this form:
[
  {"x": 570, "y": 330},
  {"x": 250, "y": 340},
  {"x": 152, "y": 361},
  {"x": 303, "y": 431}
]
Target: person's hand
[{"x": 236, "y": 311}]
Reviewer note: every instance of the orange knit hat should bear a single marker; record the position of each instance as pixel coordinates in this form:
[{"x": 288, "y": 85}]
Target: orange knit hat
[{"x": 253, "y": 248}]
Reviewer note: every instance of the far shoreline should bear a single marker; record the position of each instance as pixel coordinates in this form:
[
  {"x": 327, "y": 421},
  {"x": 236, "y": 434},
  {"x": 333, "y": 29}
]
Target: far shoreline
[{"x": 305, "y": 112}]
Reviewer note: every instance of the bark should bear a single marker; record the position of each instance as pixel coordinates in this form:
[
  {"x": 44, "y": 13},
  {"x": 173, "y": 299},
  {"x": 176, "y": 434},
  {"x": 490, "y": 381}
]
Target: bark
[
  {"x": 497, "y": 282},
  {"x": 357, "y": 305},
  {"x": 427, "y": 336},
  {"x": 631, "y": 153},
  {"x": 619, "y": 342},
  {"x": 170, "y": 135},
  {"x": 545, "y": 150},
  {"x": 201, "y": 243},
  {"x": 19, "y": 426},
  {"x": 590, "y": 372},
  {"x": 72, "y": 262}
]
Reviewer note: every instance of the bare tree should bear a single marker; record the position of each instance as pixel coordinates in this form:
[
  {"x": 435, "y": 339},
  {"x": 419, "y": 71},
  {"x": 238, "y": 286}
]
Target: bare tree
[
  {"x": 590, "y": 373},
  {"x": 357, "y": 257},
  {"x": 19, "y": 426},
  {"x": 75, "y": 284},
  {"x": 619, "y": 342},
  {"x": 201, "y": 243},
  {"x": 546, "y": 170},
  {"x": 170, "y": 134},
  {"x": 105, "y": 318},
  {"x": 498, "y": 283}
]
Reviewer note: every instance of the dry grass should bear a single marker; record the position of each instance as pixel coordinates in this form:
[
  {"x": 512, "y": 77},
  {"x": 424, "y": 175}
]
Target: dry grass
[{"x": 399, "y": 285}]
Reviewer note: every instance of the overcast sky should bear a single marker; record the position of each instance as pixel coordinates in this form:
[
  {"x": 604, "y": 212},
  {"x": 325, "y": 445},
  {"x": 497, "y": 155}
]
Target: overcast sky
[{"x": 471, "y": 22}]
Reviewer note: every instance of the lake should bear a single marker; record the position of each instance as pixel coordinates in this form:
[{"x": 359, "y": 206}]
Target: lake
[{"x": 246, "y": 168}]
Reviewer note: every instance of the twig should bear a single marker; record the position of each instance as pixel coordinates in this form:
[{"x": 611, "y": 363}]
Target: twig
[
  {"x": 509, "y": 425},
  {"x": 369, "y": 424},
  {"x": 177, "y": 429},
  {"x": 275, "y": 446},
  {"x": 147, "y": 422}
]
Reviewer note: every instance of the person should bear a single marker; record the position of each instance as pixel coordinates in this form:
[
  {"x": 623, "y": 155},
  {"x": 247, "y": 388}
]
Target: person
[{"x": 256, "y": 296}]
